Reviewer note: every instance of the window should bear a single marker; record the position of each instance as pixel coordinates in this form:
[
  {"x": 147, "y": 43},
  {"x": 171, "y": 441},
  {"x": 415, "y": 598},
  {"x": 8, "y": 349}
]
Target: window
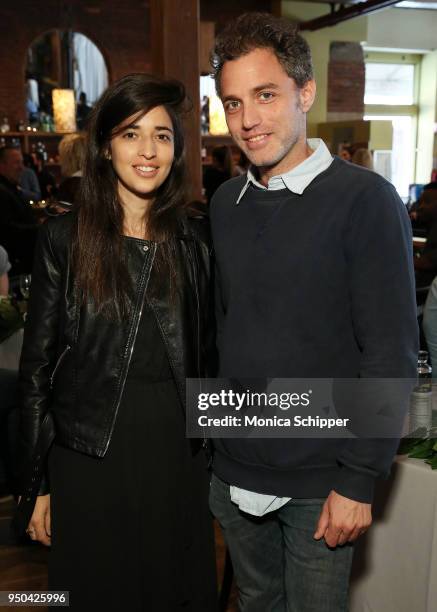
[
  {"x": 389, "y": 84},
  {"x": 391, "y": 90},
  {"x": 397, "y": 165}
]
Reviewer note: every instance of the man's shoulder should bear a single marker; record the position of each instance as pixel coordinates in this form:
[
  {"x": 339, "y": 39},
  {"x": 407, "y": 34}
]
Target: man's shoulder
[{"x": 358, "y": 177}]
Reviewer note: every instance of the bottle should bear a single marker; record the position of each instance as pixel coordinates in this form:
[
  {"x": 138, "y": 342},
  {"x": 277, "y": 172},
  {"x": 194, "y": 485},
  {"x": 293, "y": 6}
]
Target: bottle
[{"x": 421, "y": 397}]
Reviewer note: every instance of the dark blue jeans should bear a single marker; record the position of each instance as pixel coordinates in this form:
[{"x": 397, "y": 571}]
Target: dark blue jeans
[{"x": 278, "y": 565}]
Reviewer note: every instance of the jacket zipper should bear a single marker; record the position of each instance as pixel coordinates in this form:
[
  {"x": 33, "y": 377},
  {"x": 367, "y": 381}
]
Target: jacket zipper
[
  {"x": 196, "y": 277},
  {"x": 146, "y": 276},
  {"x": 58, "y": 363}
]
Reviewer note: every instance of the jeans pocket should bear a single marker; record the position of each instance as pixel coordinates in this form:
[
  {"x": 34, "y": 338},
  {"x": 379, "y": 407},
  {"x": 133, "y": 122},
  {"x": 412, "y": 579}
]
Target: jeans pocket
[{"x": 219, "y": 497}]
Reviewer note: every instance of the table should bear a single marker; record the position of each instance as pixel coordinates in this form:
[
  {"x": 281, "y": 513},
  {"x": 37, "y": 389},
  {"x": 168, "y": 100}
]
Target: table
[{"x": 395, "y": 564}]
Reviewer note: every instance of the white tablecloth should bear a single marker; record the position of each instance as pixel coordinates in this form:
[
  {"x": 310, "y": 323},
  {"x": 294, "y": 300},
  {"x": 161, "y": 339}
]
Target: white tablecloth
[{"x": 395, "y": 563}]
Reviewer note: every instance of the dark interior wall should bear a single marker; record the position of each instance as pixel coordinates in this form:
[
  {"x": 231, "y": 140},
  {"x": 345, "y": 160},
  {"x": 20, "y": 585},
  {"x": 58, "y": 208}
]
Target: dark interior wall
[
  {"x": 119, "y": 28},
  {"x": 222, "y": 11}
]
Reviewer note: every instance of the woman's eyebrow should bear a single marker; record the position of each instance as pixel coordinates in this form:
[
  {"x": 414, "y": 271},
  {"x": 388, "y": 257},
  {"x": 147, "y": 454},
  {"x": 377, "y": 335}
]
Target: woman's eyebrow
[{"x": 163, "y": 127}]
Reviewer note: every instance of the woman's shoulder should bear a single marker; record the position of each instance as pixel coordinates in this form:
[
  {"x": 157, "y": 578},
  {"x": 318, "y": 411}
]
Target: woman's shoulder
[
  {"x": 59, "y": 229},
  {"x": 195, "y": 224}
]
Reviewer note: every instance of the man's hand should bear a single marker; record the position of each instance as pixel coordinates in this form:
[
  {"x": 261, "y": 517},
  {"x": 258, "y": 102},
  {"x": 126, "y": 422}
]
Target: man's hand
[
  {"x": 342, "y": 520},
  {"x": 39, "y": 525}
]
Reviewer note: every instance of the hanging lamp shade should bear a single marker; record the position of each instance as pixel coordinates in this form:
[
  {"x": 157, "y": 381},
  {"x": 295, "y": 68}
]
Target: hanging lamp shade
[
  {"x": 217, "y": 119},
  {"x": 64, "y": 110}
]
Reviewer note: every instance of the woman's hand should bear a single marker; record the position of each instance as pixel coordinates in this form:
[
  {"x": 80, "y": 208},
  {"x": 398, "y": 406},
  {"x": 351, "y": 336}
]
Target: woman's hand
[{"x": 39, "y": 525}]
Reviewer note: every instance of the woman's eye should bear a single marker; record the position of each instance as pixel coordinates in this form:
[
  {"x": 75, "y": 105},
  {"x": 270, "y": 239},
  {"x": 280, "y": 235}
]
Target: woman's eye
[
  {"x": 164, "y": 137},
  {"x": 129, "y": 135}
]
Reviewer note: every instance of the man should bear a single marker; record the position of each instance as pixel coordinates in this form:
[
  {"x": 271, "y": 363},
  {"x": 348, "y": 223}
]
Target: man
[
  {"x": 46, "y": 179},
  {"x": 315, "y": 279},
  {"x": 82, "y": 111},
  {"x": 426, "y": 215},
  {"x": 29, "y": 184},
  {"x": 17, "y": 223}
]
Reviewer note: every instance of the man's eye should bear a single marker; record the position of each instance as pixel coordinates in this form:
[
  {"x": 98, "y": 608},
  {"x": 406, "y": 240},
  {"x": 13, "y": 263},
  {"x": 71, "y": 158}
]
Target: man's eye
[
  {"x": 266, "y": 96},
  {"x": 232, "y": 105}
]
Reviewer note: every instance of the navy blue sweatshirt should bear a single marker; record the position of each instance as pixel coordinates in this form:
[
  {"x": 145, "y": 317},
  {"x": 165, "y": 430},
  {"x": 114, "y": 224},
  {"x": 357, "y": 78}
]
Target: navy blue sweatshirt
[{"x": 318, "y": 285}]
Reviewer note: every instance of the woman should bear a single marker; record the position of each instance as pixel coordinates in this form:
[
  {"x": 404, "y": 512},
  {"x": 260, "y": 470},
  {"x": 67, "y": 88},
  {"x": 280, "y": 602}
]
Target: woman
[
  {"x": 72, "y": 149},
  {"x": 117, "y": 320}
]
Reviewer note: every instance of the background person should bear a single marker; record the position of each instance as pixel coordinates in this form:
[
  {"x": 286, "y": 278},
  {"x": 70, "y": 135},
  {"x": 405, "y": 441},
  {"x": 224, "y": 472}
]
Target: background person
[
  {"x": 116, "y": 288},
  {"x": 71, "y": 157},
  {"x": 46, "y": 179},
  {"x": 7, "y": 392},
  {"x": 18, "y": 227},
  {"x": 29, "y": 183},
  {"x": 82, "y": 111},
  {"x": 221, "y": 170},
  {"x": 425, "y": 263},
  {"x": 363, "y": 157}
]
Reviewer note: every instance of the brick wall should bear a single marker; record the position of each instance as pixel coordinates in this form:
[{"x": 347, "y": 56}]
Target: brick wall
[
  {"x": 346, "y": 79},
  {"x": 119, "y": 28}
]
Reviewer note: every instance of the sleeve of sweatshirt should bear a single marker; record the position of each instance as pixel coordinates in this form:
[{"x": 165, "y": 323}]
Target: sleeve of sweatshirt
[{"x": 378, "y": 251}]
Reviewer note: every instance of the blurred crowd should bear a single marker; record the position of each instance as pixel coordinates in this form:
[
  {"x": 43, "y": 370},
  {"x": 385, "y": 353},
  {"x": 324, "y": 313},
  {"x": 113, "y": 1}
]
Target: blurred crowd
[{"x": 29, "y": 194}]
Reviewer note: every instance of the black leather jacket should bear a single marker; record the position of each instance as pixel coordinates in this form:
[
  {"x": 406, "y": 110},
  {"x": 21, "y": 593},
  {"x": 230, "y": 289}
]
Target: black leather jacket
[{"x": 75, "y": 361}]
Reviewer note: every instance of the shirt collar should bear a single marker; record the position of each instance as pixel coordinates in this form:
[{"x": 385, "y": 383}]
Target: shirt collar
[{"x": 297, "y": 179}]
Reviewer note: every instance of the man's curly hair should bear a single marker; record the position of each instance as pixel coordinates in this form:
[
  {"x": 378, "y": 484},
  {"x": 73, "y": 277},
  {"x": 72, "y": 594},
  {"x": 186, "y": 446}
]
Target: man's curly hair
[{"x": 263, "y": 31}]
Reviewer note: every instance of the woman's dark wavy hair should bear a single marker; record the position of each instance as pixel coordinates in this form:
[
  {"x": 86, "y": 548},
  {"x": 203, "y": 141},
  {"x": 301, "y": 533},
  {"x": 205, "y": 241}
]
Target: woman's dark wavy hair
[{"x": 97, "y": 253}]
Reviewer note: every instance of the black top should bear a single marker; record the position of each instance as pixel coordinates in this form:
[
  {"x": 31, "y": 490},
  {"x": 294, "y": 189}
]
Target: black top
[{"x": 149, "y": 361}]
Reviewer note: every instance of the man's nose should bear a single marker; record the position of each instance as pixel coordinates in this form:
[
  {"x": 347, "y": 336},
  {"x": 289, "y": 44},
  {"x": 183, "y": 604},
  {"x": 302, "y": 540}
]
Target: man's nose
[{"x": 251, "y": 116}]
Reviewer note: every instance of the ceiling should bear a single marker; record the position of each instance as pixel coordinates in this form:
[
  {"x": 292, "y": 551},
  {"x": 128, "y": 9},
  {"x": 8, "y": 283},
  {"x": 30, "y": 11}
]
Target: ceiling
[{"x": 412, "y": 4}]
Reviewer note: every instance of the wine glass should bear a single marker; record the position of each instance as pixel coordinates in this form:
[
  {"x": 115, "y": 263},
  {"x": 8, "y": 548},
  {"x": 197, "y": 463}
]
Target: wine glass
[{"x": 25, "y": 282}]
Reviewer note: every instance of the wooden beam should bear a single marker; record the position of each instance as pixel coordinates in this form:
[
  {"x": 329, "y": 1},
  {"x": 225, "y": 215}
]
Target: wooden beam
[
  {"x": 174, "y": 31},
  {"x": 344, "y": 14}
]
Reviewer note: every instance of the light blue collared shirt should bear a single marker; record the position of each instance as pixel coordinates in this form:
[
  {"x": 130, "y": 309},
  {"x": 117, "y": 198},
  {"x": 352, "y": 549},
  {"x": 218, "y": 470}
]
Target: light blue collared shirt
[{"x": 296, "y": 180}]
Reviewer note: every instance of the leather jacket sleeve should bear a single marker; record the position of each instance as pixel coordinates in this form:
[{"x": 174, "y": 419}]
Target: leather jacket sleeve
[
  {"x": 205, "y": 271},
  {"x": 40, "y": 345}
]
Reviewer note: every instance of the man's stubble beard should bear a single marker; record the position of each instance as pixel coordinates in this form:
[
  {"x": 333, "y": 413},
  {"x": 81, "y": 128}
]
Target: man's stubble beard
[{"x": 272, "y": 160}]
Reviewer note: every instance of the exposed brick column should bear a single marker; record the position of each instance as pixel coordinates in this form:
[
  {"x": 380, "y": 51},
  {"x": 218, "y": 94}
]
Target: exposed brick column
[{"x": 346, "y": 79}]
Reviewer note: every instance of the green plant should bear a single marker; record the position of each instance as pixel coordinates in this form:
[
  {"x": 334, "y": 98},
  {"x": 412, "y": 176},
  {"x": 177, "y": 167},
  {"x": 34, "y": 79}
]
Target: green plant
[{"x": 420, "y": 447}]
